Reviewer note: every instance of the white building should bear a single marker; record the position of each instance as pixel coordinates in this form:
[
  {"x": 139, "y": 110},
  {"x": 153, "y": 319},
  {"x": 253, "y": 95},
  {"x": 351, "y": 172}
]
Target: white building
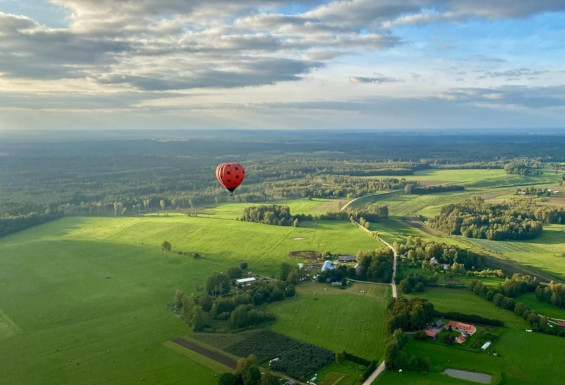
[
  {"x": 245, "y": 281},
  {"x": 328, "y": 265}
]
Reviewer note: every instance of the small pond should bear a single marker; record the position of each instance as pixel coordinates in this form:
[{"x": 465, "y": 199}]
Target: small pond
[{"x": 481, "y": 378}]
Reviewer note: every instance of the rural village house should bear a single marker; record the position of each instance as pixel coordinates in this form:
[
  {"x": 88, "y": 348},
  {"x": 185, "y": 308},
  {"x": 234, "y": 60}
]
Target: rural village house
[{"x": 462, "y": 327}]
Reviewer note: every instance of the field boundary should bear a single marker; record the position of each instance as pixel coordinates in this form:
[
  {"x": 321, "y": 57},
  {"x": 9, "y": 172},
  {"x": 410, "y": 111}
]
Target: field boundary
[{"x": 215, "y": 356}]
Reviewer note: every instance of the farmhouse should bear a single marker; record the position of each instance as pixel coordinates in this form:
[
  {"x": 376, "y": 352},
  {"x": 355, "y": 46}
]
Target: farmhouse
[
  {"x": 431, "y": 333},
  {"x": 245, "y": 281},
  {"x": 328, "y": 265},
  {"x": 346, "y": 258},
  {"x": 561, "y": 324},
  {"x": 461, "y": 339},
  {"x": 462, "y": 327}
]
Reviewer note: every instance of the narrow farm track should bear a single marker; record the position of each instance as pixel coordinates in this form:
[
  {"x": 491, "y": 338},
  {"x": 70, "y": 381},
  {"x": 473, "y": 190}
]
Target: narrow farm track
[
  {"x": 225, "y": 360},
  {"x": 382, "y": 366}
]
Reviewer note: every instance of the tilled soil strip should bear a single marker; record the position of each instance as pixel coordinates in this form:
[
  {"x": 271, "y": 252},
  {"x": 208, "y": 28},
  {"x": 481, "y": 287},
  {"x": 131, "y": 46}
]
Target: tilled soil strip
[{"x": 229, "y": 362}]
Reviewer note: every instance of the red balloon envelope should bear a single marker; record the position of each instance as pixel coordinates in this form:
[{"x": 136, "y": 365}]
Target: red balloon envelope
[{"x": 230, "y": 175}]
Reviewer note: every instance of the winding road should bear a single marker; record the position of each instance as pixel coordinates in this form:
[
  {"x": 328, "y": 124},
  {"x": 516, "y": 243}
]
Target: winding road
[{"x": 382, "y": 366}]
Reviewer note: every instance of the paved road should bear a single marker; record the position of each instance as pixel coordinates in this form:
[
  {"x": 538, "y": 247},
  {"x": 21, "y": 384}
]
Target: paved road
[
  {"x": 375, "y": 374},
  {"x": 382, "y": 366},
  {"x": 393, "y": 283}
]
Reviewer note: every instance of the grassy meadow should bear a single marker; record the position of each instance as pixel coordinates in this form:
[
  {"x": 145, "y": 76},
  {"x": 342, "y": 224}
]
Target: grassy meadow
[
  {"x": 523, "y": 359},
  {"x": 482, "y": 178},
  {"x": 225, "y": 242},
  {"x": 543, "y": 308},
  {"x": 545, "y": 252},
  {"x": 93, "y": 312},
  {"x": 464, "y": 301},
  {"x": 336, "y": 319},
  {"x": 83, "y": 300}
]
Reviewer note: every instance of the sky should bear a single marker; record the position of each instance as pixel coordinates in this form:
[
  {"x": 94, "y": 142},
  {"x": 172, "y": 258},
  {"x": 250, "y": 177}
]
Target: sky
[{"x": 304, "y": 64}]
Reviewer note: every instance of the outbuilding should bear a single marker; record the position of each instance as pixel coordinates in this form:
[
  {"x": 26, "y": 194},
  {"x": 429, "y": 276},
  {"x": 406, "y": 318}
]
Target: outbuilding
[
  {"x": 245, "y": 281},
  {"x": 346, "y": 258}
]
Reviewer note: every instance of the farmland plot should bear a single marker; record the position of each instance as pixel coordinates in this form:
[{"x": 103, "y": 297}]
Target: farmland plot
[{"x": 351, "y": 320}]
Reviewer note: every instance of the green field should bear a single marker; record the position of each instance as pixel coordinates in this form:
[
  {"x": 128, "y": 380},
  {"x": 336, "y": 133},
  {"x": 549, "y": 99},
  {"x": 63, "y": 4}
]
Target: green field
[
  {"x": 543, "y": 308},
  {"x": 467, "y": 302},
  {"x": 336, "y": 319},
  {"x": 91, "y": 312},
  {"x": 489, "y": 183},
  {"x": 481, "y": 178},
  {"x": 346, "y": 373},
  {"x": 298, "y": 206},
  {"x": 85, "y": 298},
  {"x": 523, "y": 359},
  {"x": 544, "y": 252},
  {"x": 222, "y": 241}
]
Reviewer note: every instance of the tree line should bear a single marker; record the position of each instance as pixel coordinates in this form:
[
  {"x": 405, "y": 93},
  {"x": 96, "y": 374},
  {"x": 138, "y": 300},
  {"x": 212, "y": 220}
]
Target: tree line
[
  {"x": 248, "y": 372},
  {"x": 524, "y": 167},
  {"x": 512, "y": 220},
  {"x": 333, "y": 186},
  {"x": 417, "y": 189},
  {"x": 270, "y": 215},
  {"x": 281, "y": 215},
  {"x": 503, "y": 296},
  {"x": 14, "y": 223}
]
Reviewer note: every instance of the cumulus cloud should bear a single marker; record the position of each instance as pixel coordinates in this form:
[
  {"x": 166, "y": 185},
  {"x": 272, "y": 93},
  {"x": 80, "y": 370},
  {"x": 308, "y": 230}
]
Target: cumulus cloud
[
  {"x": 252, "y": 72},
  {"x": 125, "y": 41},
  {"x": 133, "y": 51}
]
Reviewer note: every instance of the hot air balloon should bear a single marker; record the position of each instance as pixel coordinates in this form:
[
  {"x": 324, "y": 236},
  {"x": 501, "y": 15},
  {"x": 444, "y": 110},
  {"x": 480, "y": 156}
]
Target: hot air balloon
[{"x": 230, "y": 175}]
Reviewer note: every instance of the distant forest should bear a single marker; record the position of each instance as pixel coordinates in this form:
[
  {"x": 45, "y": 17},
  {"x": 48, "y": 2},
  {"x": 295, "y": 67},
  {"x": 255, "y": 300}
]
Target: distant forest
[
  {"x": 135, "y": 174},
  {"x": 474, "y": 218}
]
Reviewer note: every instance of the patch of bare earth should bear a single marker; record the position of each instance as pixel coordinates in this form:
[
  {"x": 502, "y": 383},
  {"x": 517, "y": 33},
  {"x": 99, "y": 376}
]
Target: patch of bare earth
[{"x": 225, "y": 360}]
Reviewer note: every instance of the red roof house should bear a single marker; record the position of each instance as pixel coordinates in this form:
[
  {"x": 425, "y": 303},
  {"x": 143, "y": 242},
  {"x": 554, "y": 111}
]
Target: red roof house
[
  {"x": 431, "y": 333},
  {"x": 462, "y": 338},
  {"x": 462, "y": 327}
]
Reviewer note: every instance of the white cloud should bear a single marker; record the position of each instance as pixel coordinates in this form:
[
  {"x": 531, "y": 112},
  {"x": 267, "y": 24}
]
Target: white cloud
[
  {"x": 373, "y": 79},
  {"x": 133, "y": 52}
]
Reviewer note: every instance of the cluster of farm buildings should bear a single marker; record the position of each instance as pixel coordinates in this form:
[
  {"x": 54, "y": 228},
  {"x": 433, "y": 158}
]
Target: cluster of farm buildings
[{"x": 465, "y": 330}]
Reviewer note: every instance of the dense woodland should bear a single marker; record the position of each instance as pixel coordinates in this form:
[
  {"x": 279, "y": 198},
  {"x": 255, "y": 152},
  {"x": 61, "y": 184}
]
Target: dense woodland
[
  {"x": 117, "y": 174},
  {"x": 524, "y": 167},
  {"x": 408, "y": 314},
  {"x": 511, "y": 220}
]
